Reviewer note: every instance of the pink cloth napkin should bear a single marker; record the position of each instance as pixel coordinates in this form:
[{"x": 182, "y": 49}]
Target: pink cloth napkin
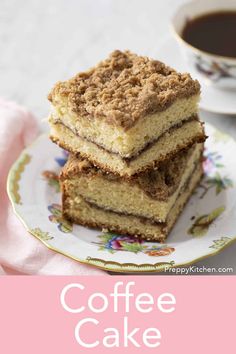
[{"x": 21, "y": 253}]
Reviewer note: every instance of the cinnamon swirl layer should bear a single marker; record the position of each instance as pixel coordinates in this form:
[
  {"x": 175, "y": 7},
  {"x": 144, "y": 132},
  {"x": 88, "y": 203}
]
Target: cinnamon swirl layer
[
  {"x": 150, "y": 195},
  {"x": 80, "y": 211},
  {"x": 168, "y": 145}
]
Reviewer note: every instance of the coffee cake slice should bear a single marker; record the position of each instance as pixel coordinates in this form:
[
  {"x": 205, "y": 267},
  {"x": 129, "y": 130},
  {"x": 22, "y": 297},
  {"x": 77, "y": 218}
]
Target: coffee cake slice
[
  {"x": 121, "y": 109},
  {"x": 81, "y": 211},
  {"x": 167, "y": 146},
  {"x": 150, "y": 195}
]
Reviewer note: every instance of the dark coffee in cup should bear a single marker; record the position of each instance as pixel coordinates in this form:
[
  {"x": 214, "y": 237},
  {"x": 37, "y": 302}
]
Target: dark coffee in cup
[
  {"x": 214, "y": 33},
  {"x": 206, "y": 33}
]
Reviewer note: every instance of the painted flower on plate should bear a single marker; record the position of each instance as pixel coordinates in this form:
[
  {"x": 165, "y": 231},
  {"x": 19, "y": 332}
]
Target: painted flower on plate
[
  {"x": 212, "y": 160},
  {"x": 201, "y": 225},
  {"x": 53, "y": 180},
  {"x": 62, "y": 160},
  {"x": 57, "y": 218},
  {"x": 161, "y": 251},
  {"x": 113, "y": 243},
  {"x": 220, "y": 183}
]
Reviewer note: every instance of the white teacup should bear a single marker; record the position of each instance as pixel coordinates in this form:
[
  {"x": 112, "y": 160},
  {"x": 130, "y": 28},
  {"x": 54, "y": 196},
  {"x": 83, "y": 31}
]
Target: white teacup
[{"x": 217, "y": 70}]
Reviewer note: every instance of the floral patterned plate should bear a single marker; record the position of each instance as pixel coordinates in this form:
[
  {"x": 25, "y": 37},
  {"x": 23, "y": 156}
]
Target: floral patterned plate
[{"x": 206, "y": 226}]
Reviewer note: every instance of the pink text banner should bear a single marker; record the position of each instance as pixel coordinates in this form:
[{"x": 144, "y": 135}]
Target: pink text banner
[{"x": 130, "y": 314}]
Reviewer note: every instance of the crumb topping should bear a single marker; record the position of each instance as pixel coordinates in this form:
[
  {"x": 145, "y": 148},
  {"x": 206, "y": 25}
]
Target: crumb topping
[
  {"x": 123, "y": 88},
  {"x": 158, "y": 184}
]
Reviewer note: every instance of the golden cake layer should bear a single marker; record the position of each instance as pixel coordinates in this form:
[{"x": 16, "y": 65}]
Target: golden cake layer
[
  {"x": 150, "y": 195},
  {"x": 81, "y": 211},
  {"x": 168, "y": 145}
]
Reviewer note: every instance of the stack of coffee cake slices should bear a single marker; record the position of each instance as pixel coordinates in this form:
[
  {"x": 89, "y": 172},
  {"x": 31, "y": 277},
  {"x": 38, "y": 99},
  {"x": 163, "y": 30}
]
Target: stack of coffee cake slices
[{"x": 135, "y": 140}]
